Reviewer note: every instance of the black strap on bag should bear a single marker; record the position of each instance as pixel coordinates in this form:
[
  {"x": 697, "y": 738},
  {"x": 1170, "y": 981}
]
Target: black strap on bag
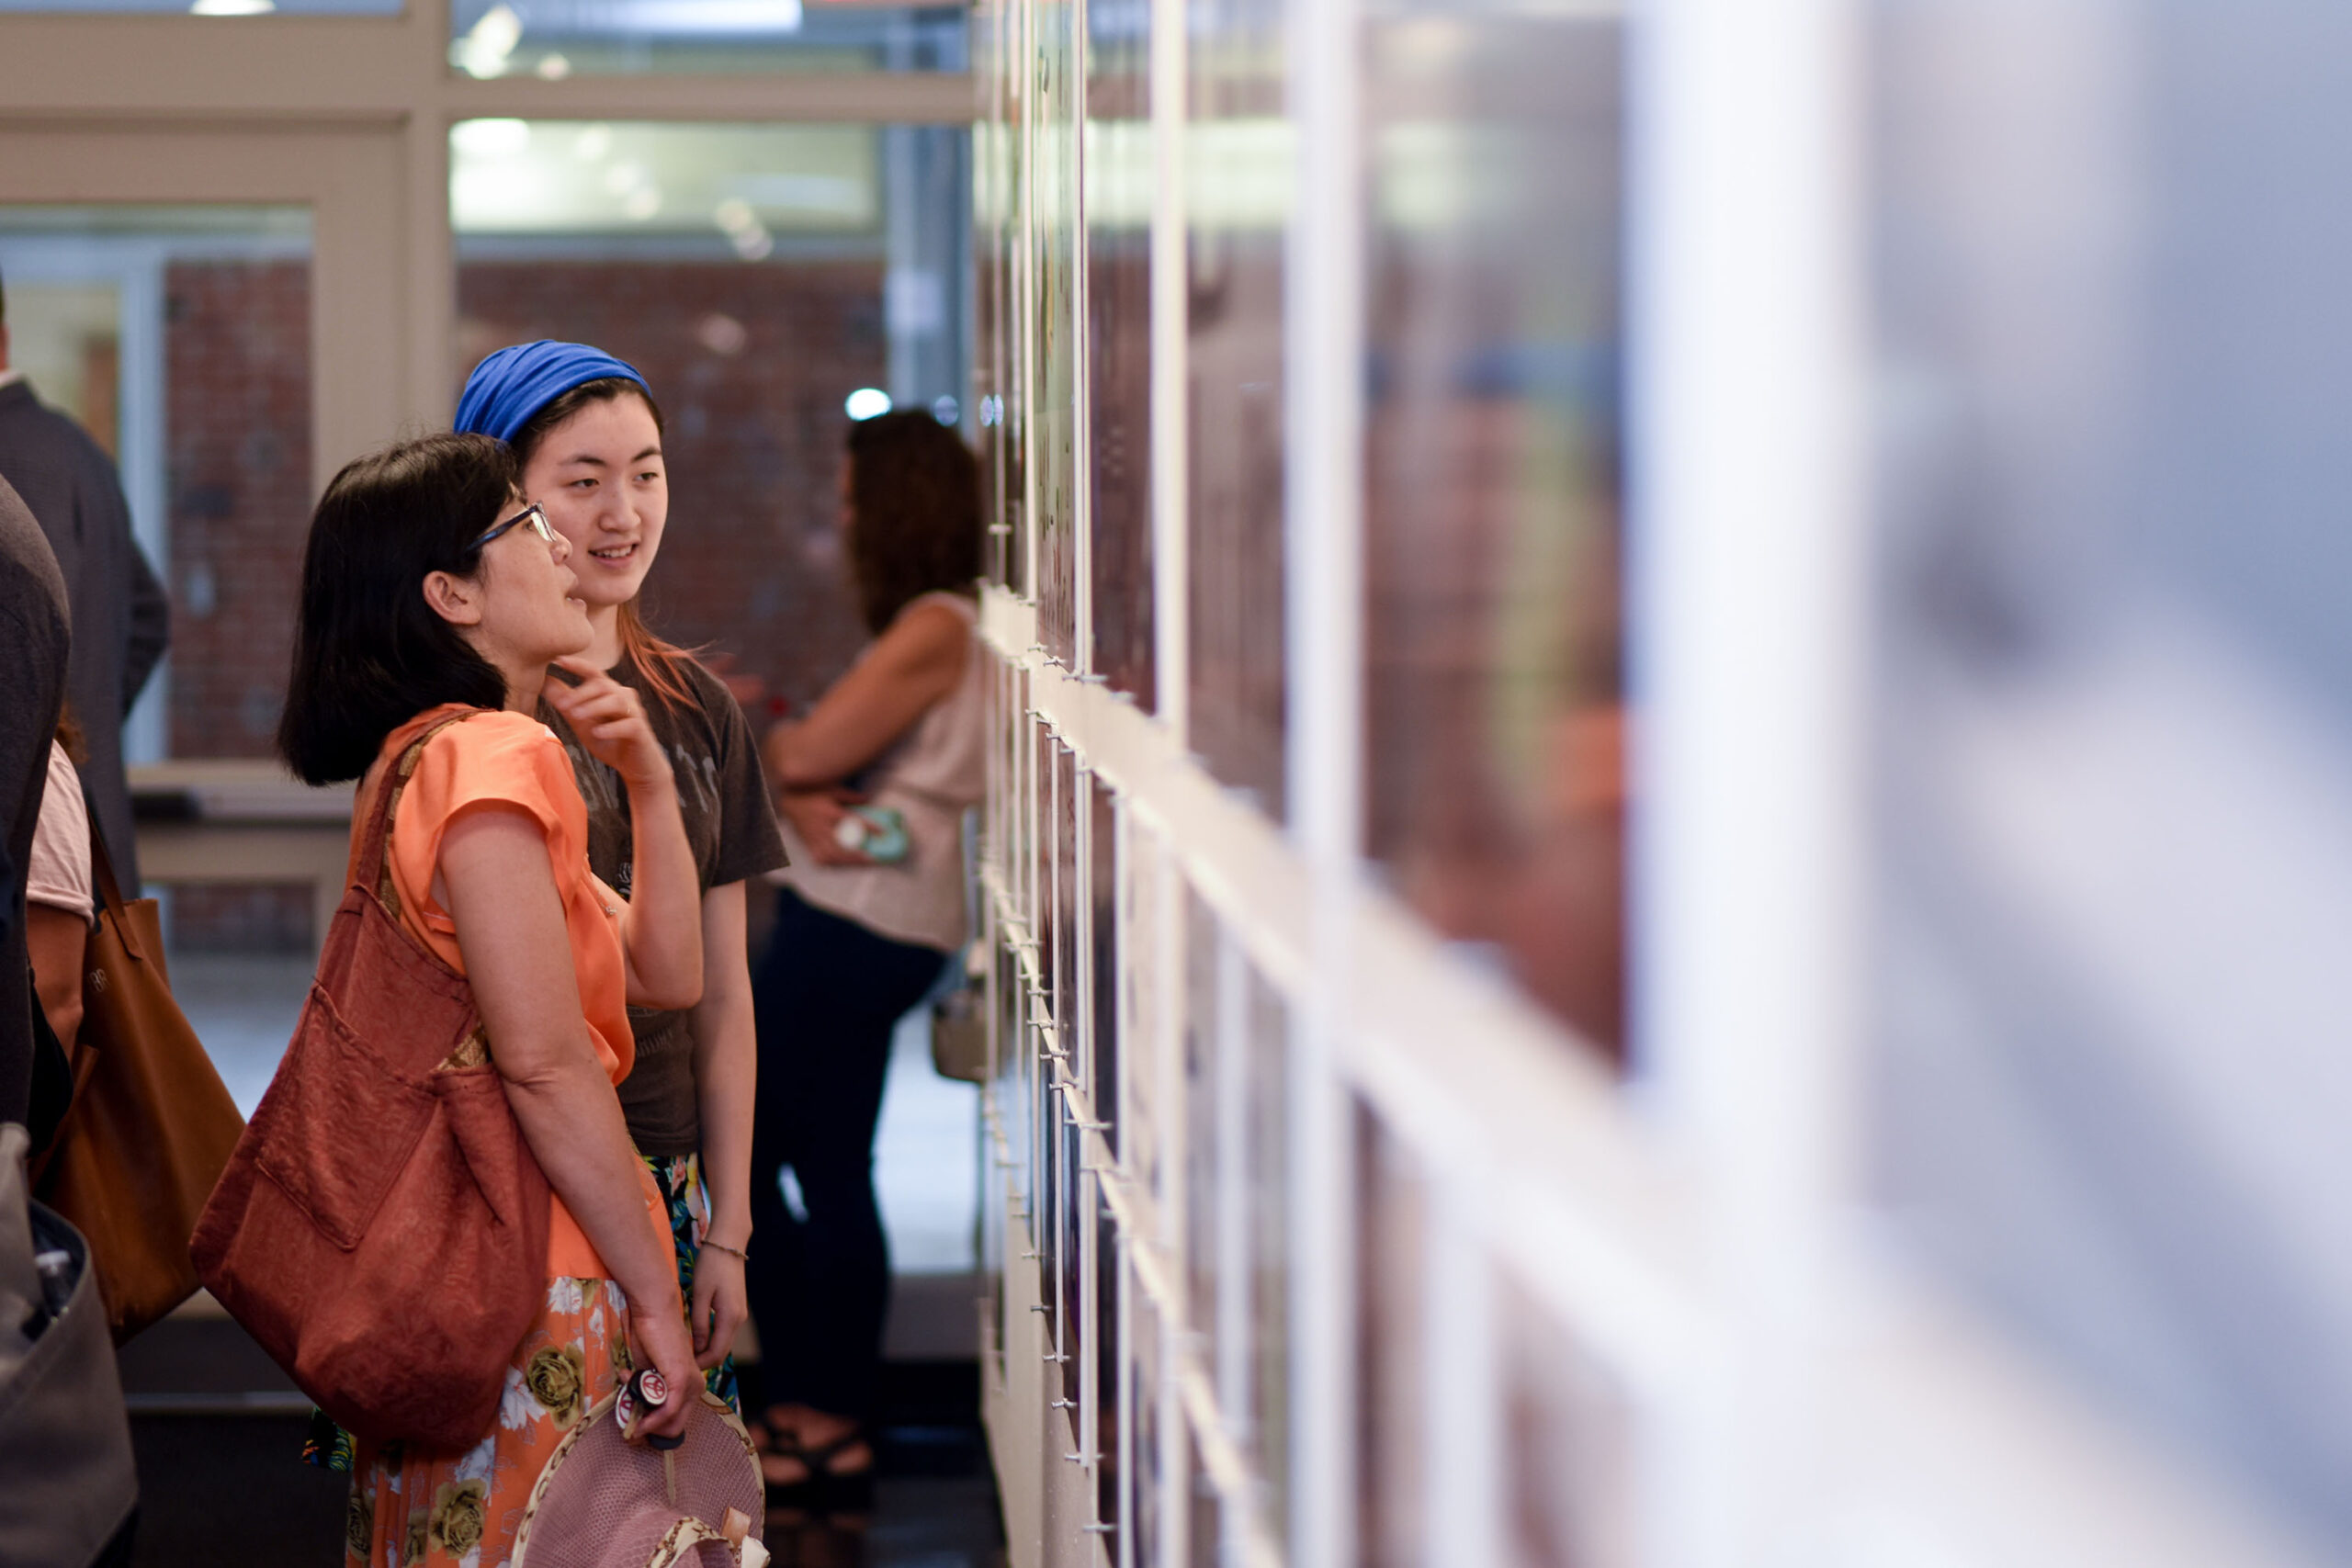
[
  {"x": 52, "y": 1094},
  {"x": 54, "y": 1077}
]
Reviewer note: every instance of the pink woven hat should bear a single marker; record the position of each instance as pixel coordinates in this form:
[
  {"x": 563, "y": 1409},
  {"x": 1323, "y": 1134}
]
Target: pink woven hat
[{"x": 606, "y": 1502}]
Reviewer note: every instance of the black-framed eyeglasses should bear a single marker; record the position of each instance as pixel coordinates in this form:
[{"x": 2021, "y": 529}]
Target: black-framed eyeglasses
[{"x": 532, "y": 515}]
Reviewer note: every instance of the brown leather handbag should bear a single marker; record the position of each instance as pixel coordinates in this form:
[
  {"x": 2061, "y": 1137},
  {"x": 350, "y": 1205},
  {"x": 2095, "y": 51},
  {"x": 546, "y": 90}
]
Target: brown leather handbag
[
  {"x": 382, "y": 1227},
  {"x": 150, "y": 1124}
]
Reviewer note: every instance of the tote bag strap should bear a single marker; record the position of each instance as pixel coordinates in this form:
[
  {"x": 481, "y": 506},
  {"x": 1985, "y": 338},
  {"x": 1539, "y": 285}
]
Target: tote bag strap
[
  {"x": 109, "y": 891},
  {"x": 372, "y": 872}
]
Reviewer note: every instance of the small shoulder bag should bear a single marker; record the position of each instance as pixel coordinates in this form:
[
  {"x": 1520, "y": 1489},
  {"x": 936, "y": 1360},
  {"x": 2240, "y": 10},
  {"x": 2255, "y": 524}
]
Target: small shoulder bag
[{"x": 382, "y": 1227}]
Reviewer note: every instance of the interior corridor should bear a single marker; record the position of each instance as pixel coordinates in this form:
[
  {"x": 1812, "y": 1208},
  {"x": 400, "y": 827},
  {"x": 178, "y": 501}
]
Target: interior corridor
[{"x": 1658, "y": 698}]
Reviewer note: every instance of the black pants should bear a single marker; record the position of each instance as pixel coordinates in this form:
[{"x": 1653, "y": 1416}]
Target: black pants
[{"x": 827, "y": 993}]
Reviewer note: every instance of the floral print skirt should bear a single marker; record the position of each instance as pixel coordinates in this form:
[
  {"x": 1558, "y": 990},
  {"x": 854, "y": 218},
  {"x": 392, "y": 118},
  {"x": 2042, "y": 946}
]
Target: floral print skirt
[
  {"x": 461, "y": 1510},
  {"x": 679, "y": 1176}
]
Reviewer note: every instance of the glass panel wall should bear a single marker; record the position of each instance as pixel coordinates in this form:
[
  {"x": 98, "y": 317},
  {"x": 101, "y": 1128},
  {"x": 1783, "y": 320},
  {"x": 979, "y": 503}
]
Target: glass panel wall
[
  {"x": 179, "y": 338},
  {"x": 1494, "y": 701},
  {"x": 2107, "y": 686},
  {"x": 1054, "y": 103},
  {"x": 999, "y": 386},
  {"x": 208, "y": 8},
  {"x": 557, "y": 39},
  {"x": 1495, "y": 698},
  {"x": 1118, "y": 161},
  {"x": 1236, "y": 187}
]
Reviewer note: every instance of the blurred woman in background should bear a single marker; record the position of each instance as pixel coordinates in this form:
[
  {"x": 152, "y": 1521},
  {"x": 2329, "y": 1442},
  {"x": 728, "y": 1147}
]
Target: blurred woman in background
[{"x": 873, "y": 783}]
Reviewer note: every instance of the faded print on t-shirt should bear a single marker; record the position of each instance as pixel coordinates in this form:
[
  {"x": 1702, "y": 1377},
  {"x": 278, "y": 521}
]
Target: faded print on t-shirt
[{"x": 731, "y": 828}]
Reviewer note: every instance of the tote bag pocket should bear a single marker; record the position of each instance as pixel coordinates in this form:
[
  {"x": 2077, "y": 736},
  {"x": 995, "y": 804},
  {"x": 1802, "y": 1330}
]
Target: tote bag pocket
[{"x": 337, "y": 1099}]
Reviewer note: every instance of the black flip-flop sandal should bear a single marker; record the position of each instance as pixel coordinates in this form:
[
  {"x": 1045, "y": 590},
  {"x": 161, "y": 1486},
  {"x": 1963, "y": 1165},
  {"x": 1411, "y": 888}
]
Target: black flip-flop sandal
[
  {"x": 779, "y": 1440},
  {"x": 807, "y": 1490},
  {"x": 843, "y": 1491}
]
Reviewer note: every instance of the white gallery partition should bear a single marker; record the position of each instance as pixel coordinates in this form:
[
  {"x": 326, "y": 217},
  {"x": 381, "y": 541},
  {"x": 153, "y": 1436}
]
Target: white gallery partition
[{"x": 1329, "y": 1221}]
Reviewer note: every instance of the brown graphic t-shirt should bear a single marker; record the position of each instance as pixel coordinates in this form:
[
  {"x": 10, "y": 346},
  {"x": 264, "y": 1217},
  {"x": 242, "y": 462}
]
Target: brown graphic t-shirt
[{"x": 731, "y": 827}]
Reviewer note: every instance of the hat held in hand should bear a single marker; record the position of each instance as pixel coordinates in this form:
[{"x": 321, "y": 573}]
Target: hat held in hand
[{"x": 611, "y": 1499}]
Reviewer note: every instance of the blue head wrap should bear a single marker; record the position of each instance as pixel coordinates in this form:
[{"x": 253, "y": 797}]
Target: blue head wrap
[{"x": 512, "y": 385}]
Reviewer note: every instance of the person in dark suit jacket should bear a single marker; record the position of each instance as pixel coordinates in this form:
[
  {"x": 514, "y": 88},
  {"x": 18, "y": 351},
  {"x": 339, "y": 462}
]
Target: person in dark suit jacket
[
  {"x": 33, "y": 641},
  {"x": 72, "y": 1489},
  {"x": 121, "y": 618}
]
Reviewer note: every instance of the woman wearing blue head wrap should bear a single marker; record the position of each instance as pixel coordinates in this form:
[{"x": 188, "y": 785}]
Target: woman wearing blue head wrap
[
  {"x": 508, "y": 390},
  {"x": 587, "y": 441}
]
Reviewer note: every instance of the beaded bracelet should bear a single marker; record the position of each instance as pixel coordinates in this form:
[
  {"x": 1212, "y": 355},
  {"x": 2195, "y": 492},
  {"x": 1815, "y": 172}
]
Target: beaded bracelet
[{"x": 734, "y": 1251}]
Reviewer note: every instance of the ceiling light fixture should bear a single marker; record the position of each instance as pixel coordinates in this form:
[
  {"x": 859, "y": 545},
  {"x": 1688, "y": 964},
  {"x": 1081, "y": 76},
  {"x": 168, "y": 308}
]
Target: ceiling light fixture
[
  {"x": 484, "y": 50},
  {"x": 491, "y": 138}
]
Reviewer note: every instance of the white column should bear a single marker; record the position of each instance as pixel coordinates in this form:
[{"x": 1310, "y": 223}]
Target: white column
[
  {"x": 1746, "y": 623},
  {"x": 1323, "y": 526},
  {"x": 141, "y": 440},
  {"x": 1081, "y": 380},
  {"x": 1170, "y": 568}
]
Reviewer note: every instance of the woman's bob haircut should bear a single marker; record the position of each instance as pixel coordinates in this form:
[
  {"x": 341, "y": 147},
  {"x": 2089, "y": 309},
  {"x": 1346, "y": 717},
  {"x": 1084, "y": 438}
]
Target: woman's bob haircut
[{"x": 370, "y": 653}]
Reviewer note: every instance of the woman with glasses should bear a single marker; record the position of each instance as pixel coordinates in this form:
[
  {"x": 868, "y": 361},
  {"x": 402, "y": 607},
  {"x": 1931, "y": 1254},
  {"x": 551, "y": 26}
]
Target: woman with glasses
[
  {"x": 586, "y": 436},
  {"x": 434, "y": 602}
]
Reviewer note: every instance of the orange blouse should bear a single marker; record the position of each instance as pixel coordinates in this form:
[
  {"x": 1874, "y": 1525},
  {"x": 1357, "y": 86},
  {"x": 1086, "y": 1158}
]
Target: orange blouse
[{"x": 511, "y": 760}]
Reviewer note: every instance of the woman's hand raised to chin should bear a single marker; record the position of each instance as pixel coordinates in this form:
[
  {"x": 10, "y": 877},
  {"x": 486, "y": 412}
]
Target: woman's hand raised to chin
[
  {"x": 661, "y": 917},
  {"x": 609, "y": 718}
]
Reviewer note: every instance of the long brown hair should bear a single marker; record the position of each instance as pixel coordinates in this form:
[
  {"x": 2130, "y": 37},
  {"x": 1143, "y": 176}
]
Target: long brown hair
[
  {"x": 70, "y": 736},
  {"x": 662, "y": 663},
  {"x": 914, "y": 498}
]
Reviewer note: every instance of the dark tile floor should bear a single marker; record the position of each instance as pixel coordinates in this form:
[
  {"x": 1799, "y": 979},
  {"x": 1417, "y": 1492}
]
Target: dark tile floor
[
  {"x": 232, "y": 1489},
  {"x": 221, "y": 1480}
]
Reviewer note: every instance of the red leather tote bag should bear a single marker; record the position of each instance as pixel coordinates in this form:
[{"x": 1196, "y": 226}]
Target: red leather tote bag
[{"x": 382, "y": 1227}]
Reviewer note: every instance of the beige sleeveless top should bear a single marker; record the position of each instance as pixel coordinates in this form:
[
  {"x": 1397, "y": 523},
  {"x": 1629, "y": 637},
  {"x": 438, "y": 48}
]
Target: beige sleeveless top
[{"x": 931, "y": 775}]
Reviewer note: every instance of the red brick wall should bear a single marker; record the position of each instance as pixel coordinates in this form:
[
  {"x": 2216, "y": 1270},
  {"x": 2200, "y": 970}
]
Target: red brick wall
[
  {"x": 755, "y": 424},
  {"x": 237, "y": 428},
  {"x": 234, "y": 918}
]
